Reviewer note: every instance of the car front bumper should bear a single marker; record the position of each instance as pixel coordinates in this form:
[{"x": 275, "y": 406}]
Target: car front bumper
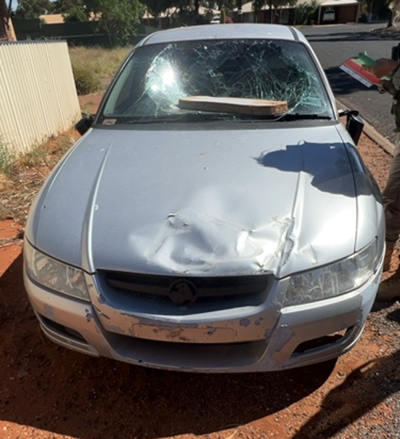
[{"x": 248, "y": 339}]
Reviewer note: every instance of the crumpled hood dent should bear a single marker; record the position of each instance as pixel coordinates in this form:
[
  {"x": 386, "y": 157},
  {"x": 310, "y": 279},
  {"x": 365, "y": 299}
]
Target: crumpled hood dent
[{"x": 201, "y": 202}]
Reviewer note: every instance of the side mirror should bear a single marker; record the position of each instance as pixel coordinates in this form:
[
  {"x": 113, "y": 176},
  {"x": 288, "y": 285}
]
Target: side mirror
[
  {"x": 84, "y": 124},
  {"x": 354, "y": 124}
]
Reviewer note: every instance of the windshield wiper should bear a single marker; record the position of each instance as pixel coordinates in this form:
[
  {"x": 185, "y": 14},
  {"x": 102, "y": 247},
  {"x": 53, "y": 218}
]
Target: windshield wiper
[
  {"x": 299, "y": 116},
  {"x": 202, "y": 116},
  {"x": 178, "y": 118}
]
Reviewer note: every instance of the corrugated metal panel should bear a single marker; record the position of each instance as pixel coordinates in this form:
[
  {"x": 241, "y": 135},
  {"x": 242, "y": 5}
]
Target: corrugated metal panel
[{"x": 38, "y": 97}]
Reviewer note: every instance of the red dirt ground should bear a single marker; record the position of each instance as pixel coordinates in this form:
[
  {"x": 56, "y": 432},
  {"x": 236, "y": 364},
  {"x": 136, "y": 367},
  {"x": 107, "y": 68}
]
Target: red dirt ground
[{"x": 50, "y": 392}]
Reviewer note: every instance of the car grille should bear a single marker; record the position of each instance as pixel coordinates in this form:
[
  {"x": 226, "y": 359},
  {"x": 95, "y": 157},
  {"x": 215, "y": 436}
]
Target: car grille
[{"x": 195, "y": 289}]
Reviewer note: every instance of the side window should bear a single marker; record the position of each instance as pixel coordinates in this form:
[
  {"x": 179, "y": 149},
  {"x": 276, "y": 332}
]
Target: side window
[
  {"x": 121, "y": 97},
  {"x": 130, "y": 88},
  {"x": 124, "y": 99}
]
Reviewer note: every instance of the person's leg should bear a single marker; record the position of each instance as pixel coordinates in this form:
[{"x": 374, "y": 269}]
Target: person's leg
[
  {"x": 390, "y": 289},
  {"x": 391, "y": 201}
]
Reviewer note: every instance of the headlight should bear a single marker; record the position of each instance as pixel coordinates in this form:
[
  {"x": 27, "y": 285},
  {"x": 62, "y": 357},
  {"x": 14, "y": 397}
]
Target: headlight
[
  {"x": 333, "y": 280},
  {"x": 53, "y": 274}
]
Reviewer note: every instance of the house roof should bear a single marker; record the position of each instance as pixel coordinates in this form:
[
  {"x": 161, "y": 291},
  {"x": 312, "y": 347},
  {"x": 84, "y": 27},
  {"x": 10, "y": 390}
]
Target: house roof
[
  {"x": 332, "y": 2},
  {"x": 59, "y": 18},
  {"x": 339, "y": 2},
  {"x": 52, "y": 18},
  {"x": 172, "y": 11},
  {"x": 248, "y": 7}
]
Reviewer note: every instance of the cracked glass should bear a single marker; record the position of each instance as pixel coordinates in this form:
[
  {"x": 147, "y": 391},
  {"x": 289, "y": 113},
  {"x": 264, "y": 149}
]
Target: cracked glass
[{"x": 156, "y": 77}]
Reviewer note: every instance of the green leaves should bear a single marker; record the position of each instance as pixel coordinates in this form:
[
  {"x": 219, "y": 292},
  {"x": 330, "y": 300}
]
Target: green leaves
[
  {"x": 118, "y": 19},
  {"x": 156, "y": 7},
  {"x": 28, "y": 9},
  {"x": 72, "y": 10}
]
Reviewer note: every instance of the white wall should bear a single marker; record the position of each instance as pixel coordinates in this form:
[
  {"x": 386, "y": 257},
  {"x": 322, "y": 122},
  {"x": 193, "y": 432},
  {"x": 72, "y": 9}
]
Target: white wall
[{"x": 38, "y": 97}]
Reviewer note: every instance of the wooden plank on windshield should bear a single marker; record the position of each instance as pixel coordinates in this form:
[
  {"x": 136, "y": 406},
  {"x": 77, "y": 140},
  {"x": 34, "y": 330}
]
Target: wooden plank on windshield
[{"x": 252, "y": 107}]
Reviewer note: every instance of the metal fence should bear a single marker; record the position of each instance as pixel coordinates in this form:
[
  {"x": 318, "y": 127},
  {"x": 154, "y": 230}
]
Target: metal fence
[
  {"x": 76, "y": 33},
  {"x": 38, "y": 97}
]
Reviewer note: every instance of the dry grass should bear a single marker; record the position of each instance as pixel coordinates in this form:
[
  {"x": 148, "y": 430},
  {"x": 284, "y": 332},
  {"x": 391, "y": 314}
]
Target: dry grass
[
  {"x": 87, "y": 107},
  {"x": 7, "y": 157},
  {"x": 22, "y": 177},
  {"x": 95, "y": 66},
  {"x": 25, "y": 176}
]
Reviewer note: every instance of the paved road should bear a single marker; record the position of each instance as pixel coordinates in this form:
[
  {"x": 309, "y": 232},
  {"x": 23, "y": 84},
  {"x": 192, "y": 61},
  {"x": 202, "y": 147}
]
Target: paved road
[{"x": 333, "y": 44}]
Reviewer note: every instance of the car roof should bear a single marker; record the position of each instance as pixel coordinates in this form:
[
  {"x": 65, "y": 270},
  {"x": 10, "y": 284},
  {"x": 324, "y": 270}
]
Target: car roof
[{"x": 226, "y": 31}]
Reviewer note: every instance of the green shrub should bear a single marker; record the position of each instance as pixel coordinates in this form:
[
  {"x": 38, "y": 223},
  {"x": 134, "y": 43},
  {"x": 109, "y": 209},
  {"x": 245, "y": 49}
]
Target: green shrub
[
  {"x": 35, "y": 157},
  {"x": 306, "y": 13},
  {"x": 94, "y": 67},
  {"x": 363, "y": 18},
  {"x": 7, "y": 159},
  {"x": 86, "y": 80}
]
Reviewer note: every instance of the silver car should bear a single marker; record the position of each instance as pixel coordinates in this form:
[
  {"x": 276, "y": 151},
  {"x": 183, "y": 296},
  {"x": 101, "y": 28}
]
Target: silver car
[{"x": 215, "y": 216}]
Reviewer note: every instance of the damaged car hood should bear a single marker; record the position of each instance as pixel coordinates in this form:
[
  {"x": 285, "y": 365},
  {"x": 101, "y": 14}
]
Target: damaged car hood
[{"x": 200, "y": 201}]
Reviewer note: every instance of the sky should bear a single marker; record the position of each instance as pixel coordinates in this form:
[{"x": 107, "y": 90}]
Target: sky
[{"x": 14, "y": 4}]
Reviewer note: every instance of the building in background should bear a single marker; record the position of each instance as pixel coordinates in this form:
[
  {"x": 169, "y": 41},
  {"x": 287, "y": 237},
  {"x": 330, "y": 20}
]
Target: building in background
[
  {"x": 171, "y": 18},
  {"x": 52, "y": 18},
  {"x": 329, "y": 12}
]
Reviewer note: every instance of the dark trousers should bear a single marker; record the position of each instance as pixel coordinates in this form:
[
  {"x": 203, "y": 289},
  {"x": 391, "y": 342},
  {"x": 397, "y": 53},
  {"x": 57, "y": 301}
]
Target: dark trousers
[{"x": 391, "y": 201}]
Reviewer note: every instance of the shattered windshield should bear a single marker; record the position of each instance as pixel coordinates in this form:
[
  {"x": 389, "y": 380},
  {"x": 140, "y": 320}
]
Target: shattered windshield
[{"x": 158, "y": 79}]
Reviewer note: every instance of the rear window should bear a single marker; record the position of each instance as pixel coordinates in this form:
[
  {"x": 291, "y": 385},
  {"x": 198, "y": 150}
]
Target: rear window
[{"x": 156, "y": 77}]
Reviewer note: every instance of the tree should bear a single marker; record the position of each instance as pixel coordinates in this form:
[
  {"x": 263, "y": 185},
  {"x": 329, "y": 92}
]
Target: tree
[
  {"x": 257, "y": 5},
  {"x": 370, "y": 6},
  {"x": 156, "y": 7},
  {"x": 28, "y": 9},
  {"x": 274, "y": 7},
  {"x": 188, "y": 10},
  {"x": 306, "y": 12},
  {"x": 372, "y": 9},
  {"x": 277, "y": 6},
  {"x": 119, "y": 19},
  {"x": 72, "y": 10},
  {"x": 228, "y": 5}
]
